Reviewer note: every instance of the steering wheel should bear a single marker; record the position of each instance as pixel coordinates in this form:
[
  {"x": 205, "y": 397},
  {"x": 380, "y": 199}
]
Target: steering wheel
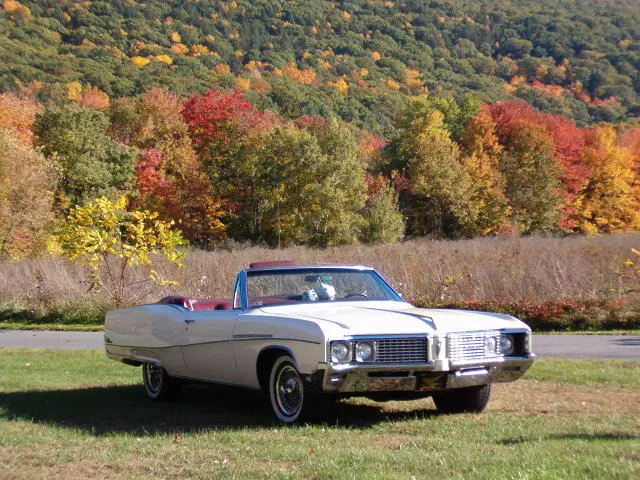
[{"x": 356, "y": 295}]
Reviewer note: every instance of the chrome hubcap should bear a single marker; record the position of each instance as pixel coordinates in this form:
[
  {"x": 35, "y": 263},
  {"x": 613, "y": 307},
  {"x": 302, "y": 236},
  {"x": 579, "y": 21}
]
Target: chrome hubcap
[{"x": 288, "y": 391}]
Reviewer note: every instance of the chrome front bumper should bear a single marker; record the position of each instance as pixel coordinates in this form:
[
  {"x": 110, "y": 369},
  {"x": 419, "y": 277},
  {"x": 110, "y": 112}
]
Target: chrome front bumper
[{"x": 415, "y": 378}]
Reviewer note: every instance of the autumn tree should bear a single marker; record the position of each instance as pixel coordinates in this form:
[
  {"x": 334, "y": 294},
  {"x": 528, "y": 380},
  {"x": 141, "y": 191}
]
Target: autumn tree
[
  {"x": 481, "y": 160},
  {"x": 221, "y": 122},
  {"x": 383, "y": 220},
  {"x": 340, "y": 176},
  {"x": 157, "y": 192},
  {"x": 455, "y": 115},
  {"x": 610, "y": 201},
  {"x": 227, "y": 132},
  {"x": 27, "y": 184},
  {"x": 170, "y": 177},
  {"x": 439, "y": 186},
  {"x": 570, "y": 143},
  {"x": 108, "y": 239},
  {"x": 91, "y": 164},
  {"x": 532, "y": 179},
  {"x": 17, "y": 115},
  {"x": 186, "y": 197},
  {"x": 567, "y": 149}
]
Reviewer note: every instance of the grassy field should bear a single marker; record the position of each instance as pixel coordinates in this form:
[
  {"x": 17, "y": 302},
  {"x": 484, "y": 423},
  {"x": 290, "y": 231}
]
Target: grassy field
[
  {"x": 77, "y": 414},
  {"x": 572, "y": 283}
]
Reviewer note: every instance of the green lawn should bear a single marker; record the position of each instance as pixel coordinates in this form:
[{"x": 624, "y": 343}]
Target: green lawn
[{"x": 67, "y": 414}]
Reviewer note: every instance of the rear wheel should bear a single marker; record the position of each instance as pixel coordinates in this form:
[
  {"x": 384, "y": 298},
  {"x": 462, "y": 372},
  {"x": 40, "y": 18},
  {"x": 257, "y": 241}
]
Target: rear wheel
[
  {"x": 463, "y": 400},
  {"x": 158, "y": 384},
  {"x": 289, "y": 400}
]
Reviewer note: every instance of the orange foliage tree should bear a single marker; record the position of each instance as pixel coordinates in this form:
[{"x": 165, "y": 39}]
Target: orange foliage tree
[
  {"x": 27, "y": 183},
  {"x": 17, "y": 115}
]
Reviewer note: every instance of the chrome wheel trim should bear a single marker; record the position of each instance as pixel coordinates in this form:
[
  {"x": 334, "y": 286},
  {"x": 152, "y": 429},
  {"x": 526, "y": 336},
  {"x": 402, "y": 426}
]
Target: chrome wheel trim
[
  {"x": 154, "y": 375},
  {"x": 288, "y": 391}
]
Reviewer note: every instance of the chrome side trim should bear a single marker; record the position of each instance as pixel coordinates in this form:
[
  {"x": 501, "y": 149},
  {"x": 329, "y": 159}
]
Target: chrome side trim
[
  {"x": 234, "y": 339},
  {"x": 216, "y": 382},
  {"x": 252, "y": 335}
]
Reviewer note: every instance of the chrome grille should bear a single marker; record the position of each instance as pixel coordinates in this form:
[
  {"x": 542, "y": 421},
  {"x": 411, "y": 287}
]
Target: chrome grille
[
  {"x": 470, "y": 346},
  {"x": 401, "y": 350}
]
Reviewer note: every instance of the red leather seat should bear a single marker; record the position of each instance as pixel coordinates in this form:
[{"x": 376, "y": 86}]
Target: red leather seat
[{"x": 197, "y": 304}]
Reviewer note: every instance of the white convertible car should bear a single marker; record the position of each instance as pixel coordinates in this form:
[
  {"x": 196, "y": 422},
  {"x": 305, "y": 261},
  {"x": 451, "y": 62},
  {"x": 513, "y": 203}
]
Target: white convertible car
[{"x": 299, "y": 333}]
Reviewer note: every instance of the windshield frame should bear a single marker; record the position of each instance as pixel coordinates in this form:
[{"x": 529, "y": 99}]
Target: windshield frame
[{"x": 243, "y": 280}]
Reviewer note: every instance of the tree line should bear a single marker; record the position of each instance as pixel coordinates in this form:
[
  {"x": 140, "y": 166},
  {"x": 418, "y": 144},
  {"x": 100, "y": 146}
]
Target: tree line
[{"x": 221, "y": 168}]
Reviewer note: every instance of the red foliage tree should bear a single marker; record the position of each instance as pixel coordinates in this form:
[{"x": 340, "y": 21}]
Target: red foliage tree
[
  {"x": 157, "y": 192},
  {"x": 569, "y": 144},
  {"x": 219, "y": 121},
  {"x": 186, "y": 197},
  {"x": 311, "y": 122}
]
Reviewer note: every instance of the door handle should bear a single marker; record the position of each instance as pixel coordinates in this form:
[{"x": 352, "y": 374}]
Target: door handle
[{"x": 189, "y": 320}]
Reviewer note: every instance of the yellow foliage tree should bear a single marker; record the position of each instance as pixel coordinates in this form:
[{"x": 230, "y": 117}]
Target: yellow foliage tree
[
  {"x": 179, "y": 49},
  {"x": 375, "y": 56},
  {"x": 412, "y": 79},
  {"x": 341, "y": 85},
  {"x": 108, "y": 240},
  {"x": 74, "y": 91},
  {"x": 164, "y": 59},
  {"x": 610, "y": 202},
  {"x": 243, "y": 83},
  {"x": 175, "y": 37},
  {"x": 140, "y": 61},
  {"x": 198, "y": 50},
  {"x": 306, "y": 76},
  {"x": 481, "y": 160}
]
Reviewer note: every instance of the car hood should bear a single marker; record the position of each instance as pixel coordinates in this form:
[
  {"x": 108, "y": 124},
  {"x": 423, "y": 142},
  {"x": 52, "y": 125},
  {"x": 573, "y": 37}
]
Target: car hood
[{"x": 385, "y": 318}]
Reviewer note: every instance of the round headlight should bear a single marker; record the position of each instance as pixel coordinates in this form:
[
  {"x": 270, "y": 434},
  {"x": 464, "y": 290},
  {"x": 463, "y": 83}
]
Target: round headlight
[
  {"x": 340, "y": 352},
  {"x": 506, "y": 344},
  {"x": 364, "y": 352},
  {"x": 490, "y": 346}
]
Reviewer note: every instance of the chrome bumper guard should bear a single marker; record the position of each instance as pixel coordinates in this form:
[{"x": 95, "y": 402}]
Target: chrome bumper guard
[{"x": 415, "y": 378}]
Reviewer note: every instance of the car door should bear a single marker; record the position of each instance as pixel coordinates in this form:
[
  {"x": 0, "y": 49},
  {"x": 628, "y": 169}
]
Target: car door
[{"x": 208, "y": 345}]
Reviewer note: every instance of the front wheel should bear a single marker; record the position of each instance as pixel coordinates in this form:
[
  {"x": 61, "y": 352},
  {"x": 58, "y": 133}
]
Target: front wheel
[
  {"x": 158, "y": 384},
  {"x": 289, "y": 400},
  {"x": 463, "y": 400}
]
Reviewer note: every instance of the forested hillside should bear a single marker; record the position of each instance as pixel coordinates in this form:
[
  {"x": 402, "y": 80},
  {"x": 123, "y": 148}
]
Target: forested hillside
[
  {"x": 356, "y": 59},
  {"x": 320, "y": 123}
]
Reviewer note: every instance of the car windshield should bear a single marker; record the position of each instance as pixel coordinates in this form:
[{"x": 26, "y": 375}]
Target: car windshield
[{"x": 279, "y": 287}]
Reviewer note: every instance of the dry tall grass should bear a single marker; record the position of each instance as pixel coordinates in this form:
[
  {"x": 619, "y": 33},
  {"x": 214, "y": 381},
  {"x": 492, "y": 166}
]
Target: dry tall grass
[{"x": 483, "y": 270}]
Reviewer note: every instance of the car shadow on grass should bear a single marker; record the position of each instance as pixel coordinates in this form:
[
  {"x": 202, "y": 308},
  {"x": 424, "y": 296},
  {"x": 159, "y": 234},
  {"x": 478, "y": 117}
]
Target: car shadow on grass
[{"x": 126, "y": 409}]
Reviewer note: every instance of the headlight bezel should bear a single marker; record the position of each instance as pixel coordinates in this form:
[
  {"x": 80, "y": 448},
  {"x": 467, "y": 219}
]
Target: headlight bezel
[
  {"x": 352, "y": 356},
  {"x": 372, "y": 354},
  {"x": 509, "y": 340},
  {"x": 491, "y": 346},
  {"x": 334, "y": 358}
]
